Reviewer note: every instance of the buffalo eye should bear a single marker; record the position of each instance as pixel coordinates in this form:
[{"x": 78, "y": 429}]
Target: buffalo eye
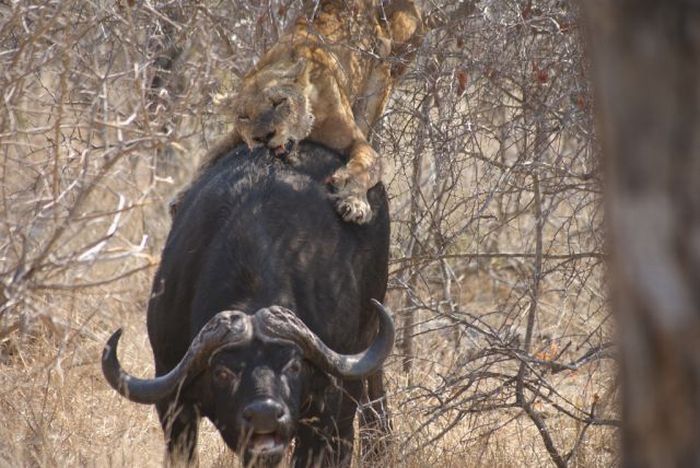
[
  {"x": 277, "y": 102},
  {"x": 293, "y": 368},
  {"x": 223, "y": 375},
  {"x": 243, "y": 118}
]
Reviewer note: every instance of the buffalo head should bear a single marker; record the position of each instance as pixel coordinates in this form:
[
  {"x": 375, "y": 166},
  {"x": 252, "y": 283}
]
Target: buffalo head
[{"x": 250, "y": 375}]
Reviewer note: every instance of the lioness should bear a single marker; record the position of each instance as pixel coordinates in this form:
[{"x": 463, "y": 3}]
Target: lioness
[{"x": 305, "y": 86}]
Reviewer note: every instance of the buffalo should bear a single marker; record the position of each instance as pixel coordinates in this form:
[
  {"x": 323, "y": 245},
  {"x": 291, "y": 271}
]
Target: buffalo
[{"x": 265, "y": 314}]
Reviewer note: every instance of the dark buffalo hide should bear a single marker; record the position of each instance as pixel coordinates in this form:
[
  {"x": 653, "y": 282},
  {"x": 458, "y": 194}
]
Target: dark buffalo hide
[{"x": 261, "y": 315}]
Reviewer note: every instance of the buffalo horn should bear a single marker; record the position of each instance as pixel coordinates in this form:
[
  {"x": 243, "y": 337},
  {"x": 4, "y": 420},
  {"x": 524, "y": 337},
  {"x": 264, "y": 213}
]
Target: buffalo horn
[
  {"x": 226, "y": 328},
  {"x": 279, "y": 323}
]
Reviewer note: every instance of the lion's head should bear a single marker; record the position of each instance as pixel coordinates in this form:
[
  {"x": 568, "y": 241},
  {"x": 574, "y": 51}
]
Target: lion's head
[{"x": 272, "y": 107}]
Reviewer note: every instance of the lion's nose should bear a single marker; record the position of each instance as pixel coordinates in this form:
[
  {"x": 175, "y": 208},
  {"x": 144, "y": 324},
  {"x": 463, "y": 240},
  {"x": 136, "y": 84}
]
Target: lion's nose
[{"x": 265, "y": 138}]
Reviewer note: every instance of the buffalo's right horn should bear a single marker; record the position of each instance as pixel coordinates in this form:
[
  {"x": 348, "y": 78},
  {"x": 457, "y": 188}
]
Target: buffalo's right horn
[
  {"x": 279, "y": 323},
  {"x": 224, "y": 329}
]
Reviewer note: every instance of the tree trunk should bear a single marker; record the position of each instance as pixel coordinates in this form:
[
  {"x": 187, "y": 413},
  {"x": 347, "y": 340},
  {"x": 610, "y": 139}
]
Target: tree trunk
[{"x": 646, "y": 64}]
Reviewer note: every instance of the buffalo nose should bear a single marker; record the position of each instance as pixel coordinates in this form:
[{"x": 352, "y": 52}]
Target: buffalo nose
[
  {"x": 265, "y": 138},
  {"x": 264, "y": 415}
]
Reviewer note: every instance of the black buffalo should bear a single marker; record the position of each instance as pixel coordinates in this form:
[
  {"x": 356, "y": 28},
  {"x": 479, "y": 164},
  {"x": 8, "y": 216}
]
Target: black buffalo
[{"x": 264, "y": 315}]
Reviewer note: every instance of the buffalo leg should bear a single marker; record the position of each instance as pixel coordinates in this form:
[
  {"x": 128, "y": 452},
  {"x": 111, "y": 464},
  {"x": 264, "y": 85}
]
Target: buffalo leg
[
  {"x": 180, "y": 424},
  {"x": 328, "y": 441},
  {"x": 375, "y": 422}
]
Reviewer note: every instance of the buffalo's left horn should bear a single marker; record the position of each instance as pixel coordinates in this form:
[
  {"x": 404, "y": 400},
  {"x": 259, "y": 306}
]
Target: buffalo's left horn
[
  {"x": 279, "y": 323},
  {"x": 224, "y": 329}
]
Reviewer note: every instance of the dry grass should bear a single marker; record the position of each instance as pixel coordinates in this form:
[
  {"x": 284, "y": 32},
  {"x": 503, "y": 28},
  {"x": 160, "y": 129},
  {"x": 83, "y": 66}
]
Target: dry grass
[{"x": 58, "y": 411}]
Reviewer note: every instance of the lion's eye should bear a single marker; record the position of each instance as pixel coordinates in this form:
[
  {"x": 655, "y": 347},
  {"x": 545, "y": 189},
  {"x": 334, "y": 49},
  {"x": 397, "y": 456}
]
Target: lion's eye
[
  {"x": 243, "y": 118},
  {"x": 278, "y": 102}
]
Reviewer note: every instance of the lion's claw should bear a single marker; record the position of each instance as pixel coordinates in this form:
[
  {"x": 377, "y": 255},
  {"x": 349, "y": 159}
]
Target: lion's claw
[{"x": 354, "y": 209}]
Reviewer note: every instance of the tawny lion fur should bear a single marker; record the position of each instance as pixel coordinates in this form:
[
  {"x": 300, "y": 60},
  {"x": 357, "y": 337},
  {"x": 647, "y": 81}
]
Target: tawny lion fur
[{"x": 332, "y": 60}]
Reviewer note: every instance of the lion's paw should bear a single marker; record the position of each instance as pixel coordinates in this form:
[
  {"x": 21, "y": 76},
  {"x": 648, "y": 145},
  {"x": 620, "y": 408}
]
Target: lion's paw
[{"x": 354, "y": 209}]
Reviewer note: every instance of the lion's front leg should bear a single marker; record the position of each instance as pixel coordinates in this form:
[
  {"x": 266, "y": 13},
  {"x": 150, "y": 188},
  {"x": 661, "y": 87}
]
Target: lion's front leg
[{"x": 353, "y": 180}]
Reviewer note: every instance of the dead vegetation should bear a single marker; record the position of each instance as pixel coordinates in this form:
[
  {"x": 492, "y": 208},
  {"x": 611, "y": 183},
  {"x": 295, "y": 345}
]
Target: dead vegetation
[{"x": 497, "y": 280}]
